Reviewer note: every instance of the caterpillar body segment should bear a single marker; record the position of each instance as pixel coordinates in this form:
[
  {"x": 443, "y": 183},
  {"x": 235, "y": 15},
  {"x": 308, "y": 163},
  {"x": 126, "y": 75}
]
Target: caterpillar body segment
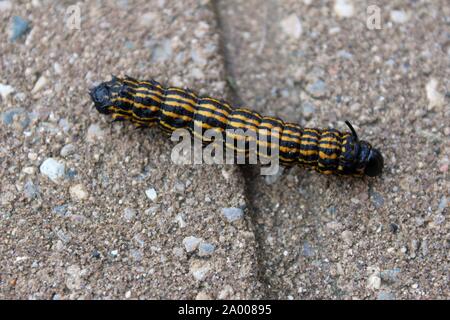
[{"x": 148, "y": 103}]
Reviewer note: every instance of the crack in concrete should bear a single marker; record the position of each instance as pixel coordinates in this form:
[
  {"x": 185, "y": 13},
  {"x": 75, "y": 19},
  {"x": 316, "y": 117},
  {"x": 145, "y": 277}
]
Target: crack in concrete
[{"x": 247, "y": 171}]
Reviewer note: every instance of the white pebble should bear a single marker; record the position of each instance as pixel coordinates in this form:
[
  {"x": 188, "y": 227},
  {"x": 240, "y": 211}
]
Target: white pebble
[
  {"x": 129, "y": 214},
  {"x": 435, "y": 98},
  {"x": 344, "y": 8},
  {"x": 5, "y": 5},
  {"x": 398, "y": 16},
  {"x": 40, "y": 84},
  {"x": 233, "y": 214},
  {"x": 199, "y": 270},
  {"x": 53, "y": 169},
  {"x": 5, "y": 90},
  {"x": 78, "y": 192},
  {"x": 374, "y": 282},
  {"x": 151, "y": 194},
  {"x": 292, "y": 26},
  {"x": 191, "y": 243},
  {"x": 94, "y": 132},
  {"x": 29, "y": 170},
  {"x": 128, "y": 294}
]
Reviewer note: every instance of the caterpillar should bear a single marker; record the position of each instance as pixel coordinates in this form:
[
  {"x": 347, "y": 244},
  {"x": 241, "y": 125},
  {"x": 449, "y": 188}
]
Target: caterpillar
[{"x": 148, "y": 103}]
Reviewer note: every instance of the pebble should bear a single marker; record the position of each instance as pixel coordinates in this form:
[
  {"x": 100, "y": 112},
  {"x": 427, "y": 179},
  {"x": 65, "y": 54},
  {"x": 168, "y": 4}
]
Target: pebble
[
  {"x": 385, "y": 295},
  {"x": 129, "y": 214},
  {"x": 317, "y": 89},
  {"x": 308, "y": 109},
  {"x": 20, "y": 26},
  {"x": 114, "y": 253},
  {"x": 94, "y": 132},
  {"x": 40, "y": 84},
  {"x": 191, "y": 243},
  {"x": 203, "y": 296},
  {"x": 5, "y": 90},
  {"x": 307, "y": 249},
  {"x": 151, "y": 194},
  {"x": 442, "y": 205},
  {"x": 205, "y": 249},
  {"x": 73, "y": 280},
  {"x": 30, "y": 190},
  {"x": 398, "y": 16},
  {"x": 78, "y": 192},
  {"x": 67, "y": 150},
  {"x": 226, "y": 293},
  {"x": 180, "y": 220},
  {"x": 390, "y": 275},
  {"x": 377, "y": 199},
  {"x": 292, "y": 26},
  {"x": 53, "y": 169},
  {"x": 233, "y": 214},
  {"x": 5, "y": 5},
  {"x": 161, "y": 51},
  {"x": 199, "y": 270},
  {"x": 344, "y": 8},
  {"x": 29, "y": 170},
  {"x": 128, "y": 295},
  {"x": 347, "y": 236},
  {"x": 9, "y": 115},
  {"x": 435, "y": 98},
  {"x": 60, "y": 210},
  {"x": 374, "y": 282},
  {"x": 136, "y": 254}
]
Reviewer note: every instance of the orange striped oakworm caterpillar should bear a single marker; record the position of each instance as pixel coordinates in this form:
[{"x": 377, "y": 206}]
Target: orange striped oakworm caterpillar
[{"x": 148, "y": 103}]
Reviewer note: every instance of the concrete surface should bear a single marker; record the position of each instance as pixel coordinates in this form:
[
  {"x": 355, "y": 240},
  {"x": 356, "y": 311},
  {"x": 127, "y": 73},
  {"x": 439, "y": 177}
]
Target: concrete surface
[{"x": 90, "y": 209}]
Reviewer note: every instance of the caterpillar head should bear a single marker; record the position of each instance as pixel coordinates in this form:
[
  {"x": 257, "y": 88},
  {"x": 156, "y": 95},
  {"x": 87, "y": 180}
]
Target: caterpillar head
[
  {"x": 103, "y": 94},
  {"x": 359, "y": 157}
]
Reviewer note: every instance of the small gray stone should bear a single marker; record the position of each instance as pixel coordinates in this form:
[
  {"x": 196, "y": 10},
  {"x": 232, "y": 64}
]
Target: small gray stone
[
  {"x": 317, "y": 89},
  {"x": 53, "y": 169},
  {"x": 377, "y": 199},
  {"x": 200, "y": 270},
  {"x": 161, "y": 51},
  {"x": 60, "y": 210},
  {"x": 136, "y": 254},
  {"x": 205, "y": 249},
  {"x": 30, "y": 190},
  {"x": 67, "y": 150},
  {"x": 233, "y": 214},
  {"x": 9, "y": 115},
  {"x": 442, "y": 204},
  {"x": 308, "y": 109},
  {"x": 94, "y": 133},
  {"x": 307, "y": 249},
  {"x": 390, "y": 275},
  {"x": 129, "y": 214},
  {"x": 20, "y": 26},
  {"x": 191, "y": 243}
]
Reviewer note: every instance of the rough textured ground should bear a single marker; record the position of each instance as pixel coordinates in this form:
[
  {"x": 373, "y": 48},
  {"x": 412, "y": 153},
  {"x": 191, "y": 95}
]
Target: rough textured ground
[{"x": 95, "y": 233}]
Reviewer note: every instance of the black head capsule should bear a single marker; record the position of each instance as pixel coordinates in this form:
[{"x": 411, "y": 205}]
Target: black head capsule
[
  {"x": 103, "y": 94},
  {"x": 375, "y": 163},
  {"x": 367, "y": 159}
]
